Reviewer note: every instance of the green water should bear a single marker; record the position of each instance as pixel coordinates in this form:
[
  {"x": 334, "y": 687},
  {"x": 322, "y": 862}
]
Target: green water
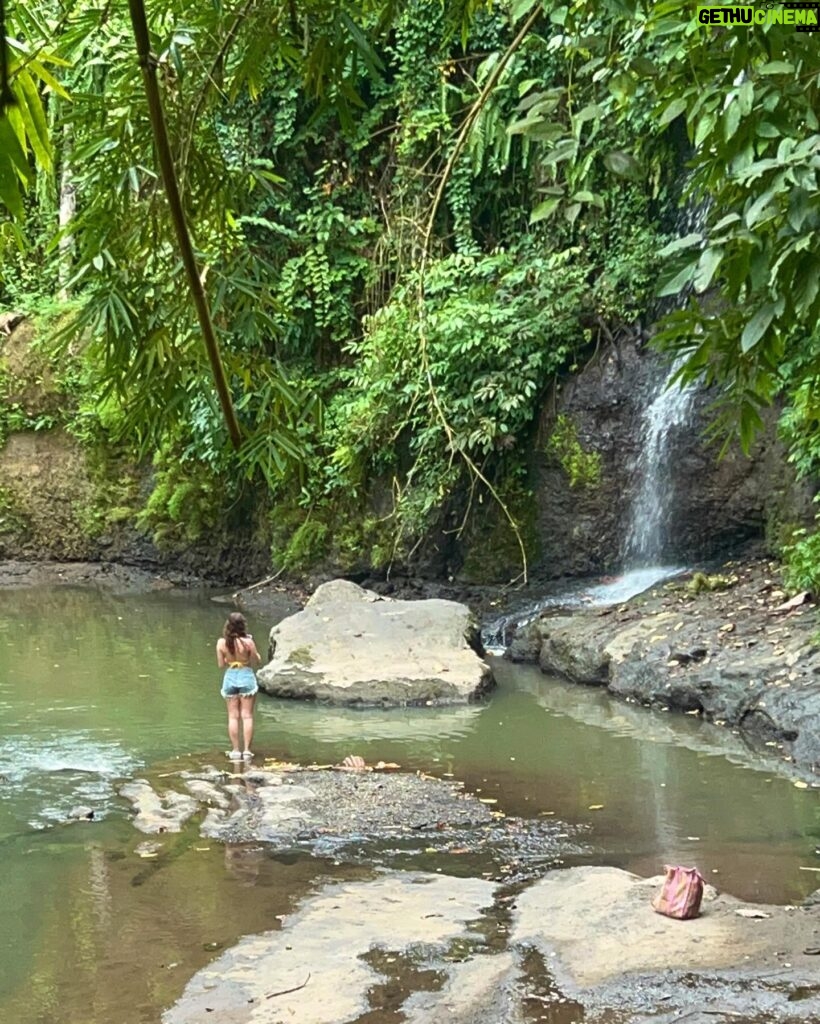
[{"x": 95, "y": 689}]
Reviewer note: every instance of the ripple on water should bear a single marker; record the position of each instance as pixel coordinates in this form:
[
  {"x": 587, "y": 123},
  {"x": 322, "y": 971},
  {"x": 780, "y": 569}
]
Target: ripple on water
[{"x": 44, "y": 779}]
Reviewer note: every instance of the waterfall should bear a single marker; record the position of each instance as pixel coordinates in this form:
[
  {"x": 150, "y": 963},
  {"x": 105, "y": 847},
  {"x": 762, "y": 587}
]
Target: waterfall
[{"x": 668, "y": 409}]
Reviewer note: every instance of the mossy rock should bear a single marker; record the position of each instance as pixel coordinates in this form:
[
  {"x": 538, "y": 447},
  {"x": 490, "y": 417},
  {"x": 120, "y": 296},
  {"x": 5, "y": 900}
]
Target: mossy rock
[
  {"x": 492, "y": 552},
  {"x": 26, "y": 378}
]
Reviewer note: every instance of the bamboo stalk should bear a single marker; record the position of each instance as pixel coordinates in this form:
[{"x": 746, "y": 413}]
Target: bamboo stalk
[{"x": 148, "y": 65}]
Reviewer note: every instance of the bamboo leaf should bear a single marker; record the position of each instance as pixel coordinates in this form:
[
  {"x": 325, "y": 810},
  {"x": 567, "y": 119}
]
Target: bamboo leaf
[{"x": 34, "y": 119}]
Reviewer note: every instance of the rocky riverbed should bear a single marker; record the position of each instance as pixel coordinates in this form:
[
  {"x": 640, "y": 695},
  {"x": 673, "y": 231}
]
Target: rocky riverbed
[
  {"x": 582, "y": 944},
  {"x": 728, "y": 645},
  {"x": 362, "y": 814},
  {"x": 463, "y": 916}
]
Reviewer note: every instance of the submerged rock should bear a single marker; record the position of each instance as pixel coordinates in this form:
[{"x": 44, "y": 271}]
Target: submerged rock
[
  {"x": 351, "y": 646},
  {"x": 154, "y": 813},
  {"x": 369, "y": 816}
]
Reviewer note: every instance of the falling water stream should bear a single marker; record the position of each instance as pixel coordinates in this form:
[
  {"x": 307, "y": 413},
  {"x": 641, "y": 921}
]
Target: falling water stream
[
  {"x": 647, "y": 543},
  {"x": 667, "y": 410},
  {"x": 647, "y": 554}
]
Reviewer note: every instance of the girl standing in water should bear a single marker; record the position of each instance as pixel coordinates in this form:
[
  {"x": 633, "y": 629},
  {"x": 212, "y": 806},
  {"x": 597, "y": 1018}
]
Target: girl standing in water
[{"x": 236, "y": 653}]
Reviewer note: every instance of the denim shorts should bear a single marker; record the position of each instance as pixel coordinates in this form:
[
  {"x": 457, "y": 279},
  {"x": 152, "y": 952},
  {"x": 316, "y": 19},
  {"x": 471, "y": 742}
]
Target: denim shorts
[{"x": 239, "y": 682}]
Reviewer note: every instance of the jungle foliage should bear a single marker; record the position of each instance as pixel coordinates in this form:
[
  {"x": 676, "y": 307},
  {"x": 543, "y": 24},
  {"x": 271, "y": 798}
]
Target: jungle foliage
[{"x": 388, "y": 355}]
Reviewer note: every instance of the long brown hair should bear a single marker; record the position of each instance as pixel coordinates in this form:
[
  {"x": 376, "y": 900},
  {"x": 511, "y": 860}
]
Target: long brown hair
[{"x": 235, "y": 628}]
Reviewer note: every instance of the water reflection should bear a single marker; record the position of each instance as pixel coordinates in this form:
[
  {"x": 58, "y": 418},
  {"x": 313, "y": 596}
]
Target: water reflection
[
  {"x": 593, "y": 706},
  {"x": 309, "y": 724},
  {"x": 656, "y": 789}
]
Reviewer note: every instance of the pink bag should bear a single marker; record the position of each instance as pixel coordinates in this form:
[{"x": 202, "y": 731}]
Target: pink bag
[{"x": 680, "y": 894}]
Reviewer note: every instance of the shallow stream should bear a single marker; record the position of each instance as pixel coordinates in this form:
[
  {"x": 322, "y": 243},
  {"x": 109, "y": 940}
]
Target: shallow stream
[{"x": 96, "y": 689}]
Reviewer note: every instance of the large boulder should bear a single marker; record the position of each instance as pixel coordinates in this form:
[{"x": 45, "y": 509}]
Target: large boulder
[{"x": 351, "y": 646}]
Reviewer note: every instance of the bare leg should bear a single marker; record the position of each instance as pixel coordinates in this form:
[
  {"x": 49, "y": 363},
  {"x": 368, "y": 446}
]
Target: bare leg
[
  {"x": 247, "y": 720},
  {"x": 233, "y": 721}
]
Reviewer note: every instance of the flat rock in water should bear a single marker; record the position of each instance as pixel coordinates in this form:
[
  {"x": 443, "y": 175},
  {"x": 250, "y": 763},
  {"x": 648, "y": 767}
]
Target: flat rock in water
[
  {"x": 597, "y": 926},
  {"x": 316, "y": 971},
  {"x": 604, "y": 955},
  {"x": 301, "y": 805},
  {"x": 351, "y": 646}
]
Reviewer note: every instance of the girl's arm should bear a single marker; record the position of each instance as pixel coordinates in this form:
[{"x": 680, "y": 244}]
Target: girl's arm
[
  {"x": 254, "y": 654},
  {"x": 220, "y": 653}
]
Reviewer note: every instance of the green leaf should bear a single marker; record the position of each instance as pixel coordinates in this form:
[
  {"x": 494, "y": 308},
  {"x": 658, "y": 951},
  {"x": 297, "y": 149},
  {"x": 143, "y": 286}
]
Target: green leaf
[
  {"x": 806, "y": 287},
  {"x": 566, "y": 149},
  {"x": 644, "y": 66},
  {"x": 799, "y": 208},
  {"x": 533, "y": 98},
  {"x": 710, "y": 260},
  {"x": 757, "y": 327},
  {"x": 520, "y": 8},
  {"x": 766, "y": 130},
  {"x": 544, "y": 131},
  {"x": 622, "y": 86},
  {"x": 724, "y": 222},
  {"x": 525, "y": 86},
  {"x": 47, "y": 78},
  {"x": 10, "y": 189},
  {"x": 750, "y": 425},
  {"x": 746, "y": 96},
  {"x": 677, "y": 283},
  {"x": 776, "y": 67},
  {"x": 623, "y": 164},
  {"x": 675, "y": 109},
  {"x": 34, "y": 119},
  {"x": 584, "y": 196},
  {"x": 592, "y": 110},
  {"x": 544, "y": 209},
  {"x": 759, "y": 208},
  {"x": 685, "y": 242},
  {"x": 705, "y": 127},
  {"x": 731, "y": 119}
]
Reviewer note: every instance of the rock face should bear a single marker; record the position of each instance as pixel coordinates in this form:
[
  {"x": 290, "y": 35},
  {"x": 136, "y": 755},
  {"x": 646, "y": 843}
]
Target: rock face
[
  {"x": 714, "y": 504},
  {"x": 738, "y": 658},
  {"x": 350, "y": 646}
]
